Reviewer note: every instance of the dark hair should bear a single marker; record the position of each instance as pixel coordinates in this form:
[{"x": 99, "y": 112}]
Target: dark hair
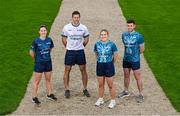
[
  {"x": 131, "y": 21},
  {"x": 42, "y": 26},
  {"x": 76, "y": 13},
  {"x": 105, "y": 31}
]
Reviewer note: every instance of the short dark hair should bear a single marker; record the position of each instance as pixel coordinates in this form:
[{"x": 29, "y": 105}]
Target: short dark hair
[
  {"x": 42, "y": 26},
  {"x": 76, "y": 13},
  {"x": 131, "y": 21},
  {"x": 105, "y": 30}
]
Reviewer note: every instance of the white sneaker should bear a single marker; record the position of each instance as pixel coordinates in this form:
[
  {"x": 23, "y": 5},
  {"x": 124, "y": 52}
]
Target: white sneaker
[
  {"x": 112, "y": 104},
  {"x": 99, "y": 102}
]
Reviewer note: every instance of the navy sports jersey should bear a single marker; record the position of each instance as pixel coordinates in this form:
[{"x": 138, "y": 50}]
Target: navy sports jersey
[
  {"x": 105, "y": 51},
  {"x": 42, "y": 49},
  {"x": 132, "y": 42}
]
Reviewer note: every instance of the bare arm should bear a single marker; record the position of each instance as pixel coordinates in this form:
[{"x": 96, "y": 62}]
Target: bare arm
[
  {"x": 115, "y": 57},
  {"x": 142, "y": 48},
  {"x": 64, "y": 41},
  {"x": 32, "y": 54},
  {"x": 86, "y": 40}
]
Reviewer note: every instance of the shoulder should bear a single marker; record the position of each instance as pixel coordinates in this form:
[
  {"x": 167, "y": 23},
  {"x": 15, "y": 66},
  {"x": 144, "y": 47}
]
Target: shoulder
[
  {"x": 97, "y": 43},
  {"x": 67, "y": 26},
  {"x": 36, "y": 40},
  {"x": 124, "y": 33},
  {"x": 83, "y": 26},
  {"x": 111, "y": 42},
  {"x": 137, "y": 34},
  {"x": 49, "y": 38}
]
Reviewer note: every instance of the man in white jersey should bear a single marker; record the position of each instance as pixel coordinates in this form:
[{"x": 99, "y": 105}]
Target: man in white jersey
[{"x": 75, "y": 37}]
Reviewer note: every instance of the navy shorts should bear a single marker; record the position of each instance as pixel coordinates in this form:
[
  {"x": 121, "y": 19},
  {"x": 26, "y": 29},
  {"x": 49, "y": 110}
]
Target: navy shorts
[
  {"x": 132, "y": 65},
  {"x": 105, "y": 69},
  {"x": 73, "y": 57},
  {"x": 41, "y": 67}
]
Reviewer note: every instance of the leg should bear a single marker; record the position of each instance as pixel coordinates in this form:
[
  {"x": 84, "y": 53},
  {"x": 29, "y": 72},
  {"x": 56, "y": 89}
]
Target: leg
[
  {"x": 101, "y": 82},
  {"x": 36, "y": 82},
  {"x": 66, "y": 76},
  {"x": 137, "y": 76},
  {"x": 48, "y": 82},
  {"x": 126, "y": 78},
  {"x": 111, "y": 86},
  {"x": 84, "y": 75}
]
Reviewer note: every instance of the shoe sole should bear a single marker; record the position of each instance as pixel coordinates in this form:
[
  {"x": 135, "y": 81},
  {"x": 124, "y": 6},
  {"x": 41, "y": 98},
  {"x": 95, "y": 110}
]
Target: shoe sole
[
  {"x": 35, "y": 103},
  {"x": 124, "y": 96},
  {"x": 111, "y": 107},
  {"x": 87, "y": 95},
  {"x": 99, "y": 105},
  {"x": 51, "y": 99}
]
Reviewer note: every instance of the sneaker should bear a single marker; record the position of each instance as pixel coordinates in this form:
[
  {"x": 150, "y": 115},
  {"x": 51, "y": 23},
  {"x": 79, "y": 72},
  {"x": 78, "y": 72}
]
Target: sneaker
[
  {"x": 140, "y": 98},
  {"x": 99, "y": 102},
  {"x": 67, "y": 94},
  {"x": 52, "y": 97},
  {"x": 86, "y": 93},
  {"x": 36, "y": 101},
  {"x": 112, "y": 104},
  {"x": 123, "y": 94}
]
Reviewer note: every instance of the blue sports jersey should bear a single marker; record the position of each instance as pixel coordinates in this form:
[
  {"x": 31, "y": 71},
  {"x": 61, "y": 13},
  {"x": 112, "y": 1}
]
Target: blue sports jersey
[
  {"x": 42, "y": 49},
  {"x": 105, "y": 51},
  {"x": 132, "y": 42}
]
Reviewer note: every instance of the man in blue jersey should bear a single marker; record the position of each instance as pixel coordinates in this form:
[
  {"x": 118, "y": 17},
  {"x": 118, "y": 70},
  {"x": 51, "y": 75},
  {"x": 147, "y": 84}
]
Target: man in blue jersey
[
  {"x": 75, "y": 37},
  {"x": 133, "y": 47}
]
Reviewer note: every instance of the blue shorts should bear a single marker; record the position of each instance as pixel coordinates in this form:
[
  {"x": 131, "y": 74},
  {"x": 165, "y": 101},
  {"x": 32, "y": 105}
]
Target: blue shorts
[
  {"x": 73, "y": 57},
  {"x": 105, "y": 69},
  {"x": 41, "y": 67},
  {"x": 132, "y": 65}
]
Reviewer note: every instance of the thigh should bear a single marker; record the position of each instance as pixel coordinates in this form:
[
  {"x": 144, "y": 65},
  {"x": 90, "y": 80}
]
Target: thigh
[
  {"x": 127, "y": 71},
  {"x": 80, "y": 57},
  {"x": 136, "y": 65},
  {"x": 39, "y": 67},
  {"x": 48, "y": 66},
  {"x": 137, "y": 74},
  {"x": 82, "y": 67},
  {"x": 70, "y": 58},
  {"x": 126, "y": 64},
  {"x": 37, "y": 76},
  {"x": 109, "y": 69},
  {"x": 48, "y": 75},
  {"x": 100, "y": 69},
  {"x": 101, "y": 80},
  {"x": 109, "y": 81},
  {"x": 67, "y": 68}
]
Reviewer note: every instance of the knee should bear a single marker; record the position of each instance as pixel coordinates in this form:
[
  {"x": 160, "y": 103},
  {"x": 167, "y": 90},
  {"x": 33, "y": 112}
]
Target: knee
[
  {"x": 101, "y": 85},
  {"x": 48, "y": 80},
  {"x": 82, "y": 69},
  {"x": 126, "y": 75},
  {"x": 111, "y": 86},
  {"x": 36, "y": 82}
]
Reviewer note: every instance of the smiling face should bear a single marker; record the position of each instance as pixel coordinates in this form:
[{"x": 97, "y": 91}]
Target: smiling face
[
  {"x": 76, "y": 19},
  {"x": 131, "y": 27},
  {"x": 104, "y": 35},
  {"x": 43, "y": 32}
]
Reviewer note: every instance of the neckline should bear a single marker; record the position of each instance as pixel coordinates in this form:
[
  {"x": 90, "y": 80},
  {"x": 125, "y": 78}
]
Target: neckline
[{"x": 75, "y": 25}]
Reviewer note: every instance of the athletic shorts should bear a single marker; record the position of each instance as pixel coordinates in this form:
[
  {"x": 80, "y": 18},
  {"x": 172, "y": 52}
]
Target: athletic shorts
[
  {"x": 105, "y": 69},
  {"x": 45, "y": 66},
  {"x": 73, "y": 57},
  {"x": 132, "y": 65}
]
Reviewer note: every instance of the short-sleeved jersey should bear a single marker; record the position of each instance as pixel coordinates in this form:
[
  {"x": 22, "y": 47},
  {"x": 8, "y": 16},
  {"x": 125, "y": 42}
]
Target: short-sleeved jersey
[
  {"x": 105, "y": 51},
  {"x": 132, "y": 42},
  {"x": 42, "y": 48},
  {"x": 75, "y": 36}
]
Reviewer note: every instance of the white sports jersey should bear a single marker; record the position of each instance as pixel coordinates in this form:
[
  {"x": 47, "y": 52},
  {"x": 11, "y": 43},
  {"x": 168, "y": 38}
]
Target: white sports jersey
[{"x": 75, "y": 36}]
